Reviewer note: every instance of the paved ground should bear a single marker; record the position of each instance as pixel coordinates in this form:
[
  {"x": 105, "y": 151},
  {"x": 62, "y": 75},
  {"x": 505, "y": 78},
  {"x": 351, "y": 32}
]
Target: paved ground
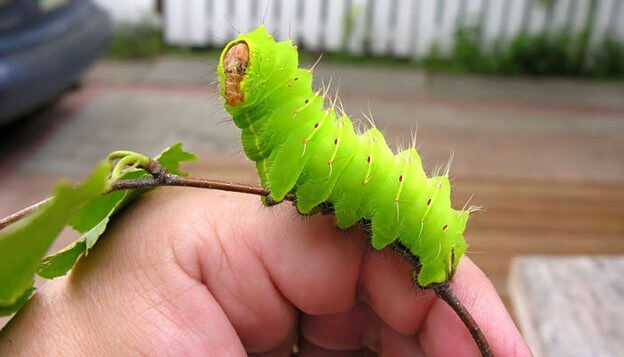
[{"x": 543, "y": 156}]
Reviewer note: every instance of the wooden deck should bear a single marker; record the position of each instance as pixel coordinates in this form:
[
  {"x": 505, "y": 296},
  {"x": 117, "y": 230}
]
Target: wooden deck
[{"x": 523, "y": 217}]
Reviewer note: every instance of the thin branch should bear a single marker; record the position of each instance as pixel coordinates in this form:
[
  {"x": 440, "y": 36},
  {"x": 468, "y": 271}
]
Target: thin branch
[
  {"x": 444, "y": 292},
  {"x": 8, "y": 220},
  {"x": 159, "y": 179}
]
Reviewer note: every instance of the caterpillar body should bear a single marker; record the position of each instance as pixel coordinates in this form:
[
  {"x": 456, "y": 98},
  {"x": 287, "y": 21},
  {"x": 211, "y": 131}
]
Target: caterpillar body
[{"x": 304, "y": 147}]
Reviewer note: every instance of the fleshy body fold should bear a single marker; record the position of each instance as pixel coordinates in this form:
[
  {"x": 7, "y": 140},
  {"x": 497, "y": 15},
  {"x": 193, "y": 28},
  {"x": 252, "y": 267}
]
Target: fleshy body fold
[{"x": 301, "y": 146}]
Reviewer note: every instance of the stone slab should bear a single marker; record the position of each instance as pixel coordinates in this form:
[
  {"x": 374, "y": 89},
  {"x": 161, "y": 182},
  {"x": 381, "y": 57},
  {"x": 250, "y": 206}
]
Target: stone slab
[{"x": 570, "y": 306}]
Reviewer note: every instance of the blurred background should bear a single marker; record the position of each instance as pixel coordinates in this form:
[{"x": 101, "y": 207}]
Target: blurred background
[{"x": 528, "y": 94}]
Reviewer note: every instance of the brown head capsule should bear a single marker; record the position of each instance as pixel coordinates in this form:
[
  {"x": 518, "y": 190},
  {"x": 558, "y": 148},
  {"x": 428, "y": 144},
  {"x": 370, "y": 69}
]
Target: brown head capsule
[{"x": 235, "y": 64}]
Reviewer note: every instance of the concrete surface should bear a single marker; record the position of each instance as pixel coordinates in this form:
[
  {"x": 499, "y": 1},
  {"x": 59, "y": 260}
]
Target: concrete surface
[{"x": 553, "y": 129}]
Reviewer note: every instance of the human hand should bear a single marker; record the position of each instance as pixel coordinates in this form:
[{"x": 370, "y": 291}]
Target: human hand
[{"x": 196, "y": 272}]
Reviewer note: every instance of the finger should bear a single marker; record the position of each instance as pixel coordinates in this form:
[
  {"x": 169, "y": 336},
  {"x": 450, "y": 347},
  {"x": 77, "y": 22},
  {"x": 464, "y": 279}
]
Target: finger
[
  {"x": 356, "y": 329},
  {"x": 387, "y": 287},
  {"x": 260, "y": 262},
  {"x": 479, "y": 296}
]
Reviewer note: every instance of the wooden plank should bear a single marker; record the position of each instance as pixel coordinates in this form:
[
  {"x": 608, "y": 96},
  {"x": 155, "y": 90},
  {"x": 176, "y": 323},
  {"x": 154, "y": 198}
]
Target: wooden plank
[
  {"x": 577, "y": 24},
  {"x": 601, "y": 23},
  {"x": 570, "y": 306},
  {"x": 516, "y": 18},
  {"x": 175, "y": 30},
  {"x": 493, "y": 25},
  {"x": 357, "y": 15},
  {"x": 382, "y": 28},
  {"x": 404, "y": 32},
  {"x": 560, "y": 16},
  {"x": 618, "y": 24},
  {"x": 426, "y": 28},
  {"x": 287, "y": 17},
  {"x": 472, "y": 16},
  {"x": 448, "y": 26},
  {"x": 537, "y": 18},
  {"x": 312, "y": 25},
  {"x": 197, "y": 22},
  {"x": 242, "y": 20},
  {"x": 334, "y": 37},
  {"x": 220, "y": 27}
]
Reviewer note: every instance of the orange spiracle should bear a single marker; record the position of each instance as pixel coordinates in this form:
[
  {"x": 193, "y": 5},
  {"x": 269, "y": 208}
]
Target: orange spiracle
[{"x": 235, "y": 63}]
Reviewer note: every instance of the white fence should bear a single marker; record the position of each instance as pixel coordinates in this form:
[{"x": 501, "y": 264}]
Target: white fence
[
  {"x": 130, "y": 11},
  {"x": 400, "y": 28}
]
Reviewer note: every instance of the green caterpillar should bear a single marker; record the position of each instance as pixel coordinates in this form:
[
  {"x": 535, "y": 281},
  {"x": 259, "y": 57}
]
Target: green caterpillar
[{"x": 302, "y": 147}]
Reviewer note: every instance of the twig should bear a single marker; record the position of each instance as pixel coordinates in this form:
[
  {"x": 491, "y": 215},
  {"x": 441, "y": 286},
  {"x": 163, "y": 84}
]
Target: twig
[
  {"x": 444, "y": 292},
  {"x": 22, "y": 213},
  {"x": 161, "y": 179}
]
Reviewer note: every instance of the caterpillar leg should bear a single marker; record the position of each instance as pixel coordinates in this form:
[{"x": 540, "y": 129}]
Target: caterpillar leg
[
  {"x": 269, "y": 201},
  {"x": 324, "y": 208}
]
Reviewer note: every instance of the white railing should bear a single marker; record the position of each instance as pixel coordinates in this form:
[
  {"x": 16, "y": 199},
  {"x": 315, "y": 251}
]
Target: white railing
[{"x": 400, "y": 28}]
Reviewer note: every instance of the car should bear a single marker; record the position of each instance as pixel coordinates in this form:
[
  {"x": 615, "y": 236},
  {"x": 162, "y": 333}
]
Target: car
[{"x": 45, "y": 46}]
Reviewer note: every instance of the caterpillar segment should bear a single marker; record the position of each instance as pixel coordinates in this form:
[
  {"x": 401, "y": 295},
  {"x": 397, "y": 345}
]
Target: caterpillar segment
[{"x": 301, "y": 146}]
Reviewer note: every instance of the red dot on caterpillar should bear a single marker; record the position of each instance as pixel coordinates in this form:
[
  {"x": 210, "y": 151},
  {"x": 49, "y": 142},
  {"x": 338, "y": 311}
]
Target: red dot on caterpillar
[
  {"x": 336, "y": 141},
  {"x": 296, "y": 79},
  {"x": 429, "y": 202},
  {"x": 368, "y": 159},
  {"x": 316, "y": 125},
  {"x": 307, "y": 101},
  {"x": 445, "y": 227},
  {"x": 401, "y": 178}
]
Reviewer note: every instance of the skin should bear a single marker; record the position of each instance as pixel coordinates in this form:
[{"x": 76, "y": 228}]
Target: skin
[{"x": 197, "y": 272}]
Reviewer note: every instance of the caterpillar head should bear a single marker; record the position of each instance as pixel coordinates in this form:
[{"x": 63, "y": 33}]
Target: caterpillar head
[
  {"x": 250, "y": 68},
  {"x": 235, "y": 63}
]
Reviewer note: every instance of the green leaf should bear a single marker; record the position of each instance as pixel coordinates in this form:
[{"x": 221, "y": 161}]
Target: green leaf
[
  {"x": 18, "y": 304},
  {"x": 93, "y": 218},
  {"x": 173, "y": 156},
  {"x": 23, "y": 244},
  {"x": 60, "y": 262}
]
